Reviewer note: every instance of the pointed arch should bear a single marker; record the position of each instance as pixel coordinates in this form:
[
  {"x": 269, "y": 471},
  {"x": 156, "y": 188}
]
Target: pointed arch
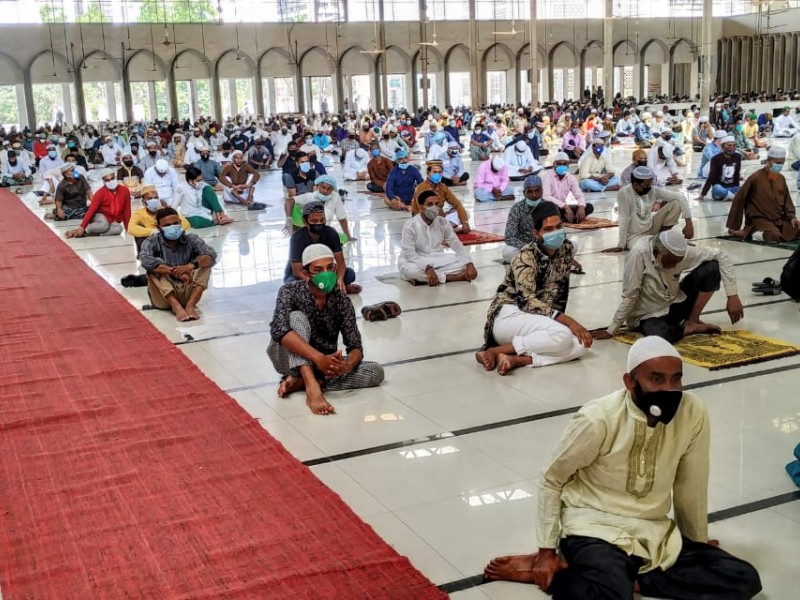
[
  {"x": 44, "y": 72},
  {"x": 244, "y": 67},
  {"x": 135, "y": 74},
  {"x": 13, "y": 73},
  {"x": 199, "y": 66}
]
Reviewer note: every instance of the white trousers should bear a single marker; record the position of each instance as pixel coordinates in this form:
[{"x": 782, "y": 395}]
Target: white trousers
[
  {"x": 545, "y": 340},
  {"x": 228, "y": 197},
  {"x": 443, "y": 263}
]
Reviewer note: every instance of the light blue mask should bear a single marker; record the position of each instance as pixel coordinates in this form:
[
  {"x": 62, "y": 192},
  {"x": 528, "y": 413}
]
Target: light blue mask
[
  {"x": 153, "y": 205},
  {"x": 323, "y": 197},
  {"x": 76, "y": 174},
  {"x": 172, "y": 232},
  {"x": 533, "y": 203},
  {"x": 305, "y": 167},
  {"x": 561, "y": 170},
  {"x": 554, "y": 240},
  {"x": 776, "y": 168},
  {"x": 436, "y": 178},
  {"x": 402, "y": 166}
]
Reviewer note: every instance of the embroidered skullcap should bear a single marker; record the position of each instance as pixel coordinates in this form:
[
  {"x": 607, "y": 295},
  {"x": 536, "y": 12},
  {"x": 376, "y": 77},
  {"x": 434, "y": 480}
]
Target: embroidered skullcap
[
  {"x": 561, "y": 156},
  {"x": 315, "y": 252},
  {"x": 532, "y": 181},
  {"x": 162, "y": 166},
  {"x": 453, "y": 145},
  {"x": 433, "y": 163},
  {"x": 148, "y": 189},
  {"x": 776, "y": 152},
  {"x": 728, "y": 139},
  {"x": 498, "y": 163},
  {"x": 360, "y": 153},
  {"x": 703, "y": 119},
  {"x": 673, "y": 242},
  {"x": 648, "y": 348},
  {"x": 237, "y": 153},
  {"x": 643, "y": 173},
  {"x": 400, "y": 154},
  {"x": 326, "y": 179},
  {"x": 51, "y": 146},
  {"x": 520, "y": 146},
  {"x": 67, "y": 166},
  {"x": 106, "y": 172}
]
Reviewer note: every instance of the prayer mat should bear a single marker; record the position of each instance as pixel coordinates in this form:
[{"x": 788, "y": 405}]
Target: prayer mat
[
  {"x": 374, "y": 194},
  {"x": 126, "y": 473},
  {"x": 784, "y": 245},
  {"x": 734, "y": 348},
  {"x": 475, "y": 237},
  {"x": 592, "y": 223}
]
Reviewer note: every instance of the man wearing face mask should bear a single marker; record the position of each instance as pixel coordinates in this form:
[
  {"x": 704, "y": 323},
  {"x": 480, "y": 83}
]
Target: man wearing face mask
[
  {"x": 596, "y": 174},
  {"x": 130, "y": 175},
  {"x": 450, "y": 206},
  {"x": 519, "y": 226},
  {"x": 109, "y": 211},
  {"x": 453, "y": 173},
  {"x": 304, "y": 335},
  {"x": 355, "y": 165},
  {"x": 526, "y": 324},
  {"x": 573, "y": 143},
  {"x": 492, "y": 181},
  {"x": 143, "y": 221},
  {"x": 325, "y": 192},
  {"x": 73, "y": 193},
  {"x": 401, "y": 183},
  {"x": 724, "y": 173},
  {"x": 316, "y": 231},
  {"x": 562, "y": 189},
  {"x": 603, "y": 521},
  {"x": 647, "y": 210},
  {"x": 378, "y": 169},
  {"x": 423, "y": 257},
  {"x": 51, "y": 160},
  {"x": 15, "y": 171},
  {"x": 765, "y": 205},
  {"x": 178, "y": 266},
  {"x": 638, "y": 159},
  {"x": 165, "y": 179},
  {"x": 519, "y": 161},
  {"x": 656, "y": 301},
  {"x": 210, "y": 169}
]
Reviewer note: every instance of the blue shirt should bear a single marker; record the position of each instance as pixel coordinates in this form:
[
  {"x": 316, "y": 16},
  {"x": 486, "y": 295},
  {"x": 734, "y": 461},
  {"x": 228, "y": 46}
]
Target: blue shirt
[
  {"x": 401, "y": 184},
  {"x": 453, "y": 166},
  {"x": 709, "y": 152},
  {"x": 643, "y": 132}
]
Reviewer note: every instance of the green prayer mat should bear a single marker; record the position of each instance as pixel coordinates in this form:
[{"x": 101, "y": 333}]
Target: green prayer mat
[
  {"x": 715, "y": 351},
  {"x": 785, "y": 245}
]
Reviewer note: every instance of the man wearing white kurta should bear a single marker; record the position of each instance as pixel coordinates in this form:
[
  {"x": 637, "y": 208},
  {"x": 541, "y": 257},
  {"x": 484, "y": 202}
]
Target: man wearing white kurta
[
  {"x": 784, "y": 125},
  {"x": 423, "y": 258},
  {"x": 355, "y": 165},
  {"x": 520, "y": 162},
  {"x": 165, "y": 179},
  {"x": 604, "y": 499},
  {"x": 111, "y": 153}
]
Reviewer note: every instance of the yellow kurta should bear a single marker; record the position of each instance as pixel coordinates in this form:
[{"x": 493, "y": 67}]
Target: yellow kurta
[
  {"x": 613, "y": 478},
  {"x": 143, "y": 223}
]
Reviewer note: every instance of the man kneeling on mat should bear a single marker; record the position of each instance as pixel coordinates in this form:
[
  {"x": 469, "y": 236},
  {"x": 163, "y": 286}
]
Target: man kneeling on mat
[
  {"x": 178, "y": 266},
  {"x": 656, "y": 301},
  {"x": 605, "y": 497},
  {"x": 309, "y": 316}
]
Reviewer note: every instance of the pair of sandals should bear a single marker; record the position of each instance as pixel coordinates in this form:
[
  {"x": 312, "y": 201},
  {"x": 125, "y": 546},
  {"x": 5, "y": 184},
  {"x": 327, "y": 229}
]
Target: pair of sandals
[
  {"x": 381, "y": 311},
  {"x": 139, "y": 280},
  {"x": 767, "y": 287},
  {"x": 256, "y": 206}
]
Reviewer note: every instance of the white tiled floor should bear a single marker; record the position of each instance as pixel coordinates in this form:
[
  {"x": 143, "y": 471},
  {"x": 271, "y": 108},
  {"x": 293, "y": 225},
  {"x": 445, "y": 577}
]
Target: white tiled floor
[{"x": 450, "y": 503}]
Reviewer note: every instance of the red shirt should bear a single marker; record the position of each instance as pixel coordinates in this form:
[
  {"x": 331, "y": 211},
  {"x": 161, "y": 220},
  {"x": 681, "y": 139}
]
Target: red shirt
[
  {"x": 39, "y": 149},
  {"x": 114, "y": 206}
]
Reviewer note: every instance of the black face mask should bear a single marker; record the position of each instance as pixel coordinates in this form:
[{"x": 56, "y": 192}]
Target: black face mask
[
  {"x": 204, "y": 157},
  {"x": 316, "y": 228},
  {"x": 661, "y": 405},
  {"x": 641, "y": 163},
  {"x": 127, "y": 163}
]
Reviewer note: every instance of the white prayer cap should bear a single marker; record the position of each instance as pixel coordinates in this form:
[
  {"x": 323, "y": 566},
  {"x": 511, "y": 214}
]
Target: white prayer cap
[
  {"x": 643, "y": 173},
  {"x": 315, "y": 252},
  {"x": 237, "y": 153},
  {"x": 646, "y": 115},
  {"x": 728, "y": 139},
  {"x": 107, "y": 173},
  {"x": 659, "y": 113},
  {"x": 673, "y": 242},
  {"x": 720, "y": 133},
  {"x": 161, "y": 165},
  {"x": 520, "y": 146},
  {"x": 360, "y": 153},
  {"x": 648, "y": 348},
  {"x": 561, "y": 156},
  {"x": 703, "y": 119},
  {"x": 498, "y": 163},
  {"x": 777, "y": 152},
  {"x": 666, "y": 150}
]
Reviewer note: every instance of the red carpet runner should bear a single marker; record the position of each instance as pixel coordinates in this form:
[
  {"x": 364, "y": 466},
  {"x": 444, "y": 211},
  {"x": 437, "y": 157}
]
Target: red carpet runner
[{"x": 126, "y": 473}]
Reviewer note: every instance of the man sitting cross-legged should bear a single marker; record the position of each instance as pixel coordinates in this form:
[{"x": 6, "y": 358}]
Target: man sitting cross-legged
[
  {"x": 526, "y": 324},
  {"x": 603, "y": 523},
  {"x": 423, "y": 258},
  {"x": 309, "y": 316},
  {"x": 143, "y": 221},
  {"x": 656, "y": 301},
  {"x": 109, "y": 211},
  {"x": 178, "y": 266}
]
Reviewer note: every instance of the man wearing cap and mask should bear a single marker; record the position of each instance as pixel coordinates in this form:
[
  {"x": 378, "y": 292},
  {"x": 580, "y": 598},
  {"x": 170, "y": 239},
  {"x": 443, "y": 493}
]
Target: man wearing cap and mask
[
  {"x": 765, "y": 205},
  {"x": 165, "y": 179},
  {"x": 378, "y": 169},
  {"x": 723, "y": 173},
  {"x": 660, "y": 159},
  {"x": 423, "y": 256},
  {"x": 151, "y": 156},
  {"x": 595, "y": 172},
  {"x": 130, "y": 175},
  {"x": 73, "y": 193},
  {"x": 453, "y": 172},
  {"x": 51, "y": 160},
  {"x": 325, "y": 191},
  {"x": 316, "y": 231},
  {"x": 355, "y": 165},
  {"x": 520, "y": 162},
  {"x": 239, "y": 180},
  {"x": 110, "y": 152},
  {"x": 648, "y": 210},
  {"x": 304, "y": 335},
  {"x": 450, "y": 206},
  {"x": 710, "y": 151},
  {"x": 526, "y": 323},
  {"x": 402, "y": 181},
  {"x": 784, "y": 125},
  {"x": 491, "y": 181},
  {"x": 210, "y": 169},
  {"x": 15, "y": 171},
  {"x": 143, "y": 221},
  {"x": 109, "y": 211},
  {"x": 519, "y": 225},
  {"x": 656, "y": 301},
  {"x": 562, "y": 189},
  {"x": 603, "y": 523},
  {"x": 178, "y": 266}
]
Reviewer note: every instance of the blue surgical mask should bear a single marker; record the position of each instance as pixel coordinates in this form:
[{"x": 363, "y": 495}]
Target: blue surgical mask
[
  {"x": 172, "y": 232},
  {"x": 775, "y": 168},
  {"x": 376, "y": 152},
  {"x": 76, "y": 174},
  {"x": 323, "y": 197},
  {"x": 52, "y": 153},
  {"x": 561, "y": 170},
  {"x": 436, "y": 178},
  {"x": 153, "y": 204},
  {"x": 402, "y": 166},
  {"x": 305, "y": 167},
  {"x": 554, "y": 239},
  {"x": 533, "y": 203}
]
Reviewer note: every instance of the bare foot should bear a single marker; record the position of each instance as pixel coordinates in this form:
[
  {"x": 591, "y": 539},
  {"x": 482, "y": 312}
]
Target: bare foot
[
  {"x": 487, "y": 359},
  {"x": 353, "y": 288},
  {"x": 224, "y": 220},
  {"x": 318, "y": 404},
  {"x": 692, "y": 327},
  {"x": 289, "y": 385},
  {"x": 511, "y": 568},
  {"x": 191, "y": 312},
  {"x": 509, "y": 362}
]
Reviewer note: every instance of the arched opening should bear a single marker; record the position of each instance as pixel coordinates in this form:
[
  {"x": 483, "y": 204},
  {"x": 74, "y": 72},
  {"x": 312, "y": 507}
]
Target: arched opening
[
  {"x": 235, "y": 71},
  {"x": 682, "y": 56},
  {"x": 357, "y": 70},
  {"x": 101, "y": 76},
  {"x": 458, "y": 78},
  {"x": 435, "y": 64},
  {"x": 654, "y": 68},
  {"x": 147, "y": 74},
  {"x": 625, "y": 54},
  {"x": 192, "y": 84},
  {"x": 278, "y": 81},
  {"x": 11, "y": 93},
  {"x": 592, "y": 63},
  {"x": 498, "y": 62},
  {"x": 523, "y": 66},
  {"x": 316, "y": 65},
  {"x": 53, "y": 89},
  {"x": 398, "y": 74},
  {"x": 562, "y": 72}
]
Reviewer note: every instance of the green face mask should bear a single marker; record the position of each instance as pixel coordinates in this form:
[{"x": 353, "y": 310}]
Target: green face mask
[{"x": 325, "y": 281}]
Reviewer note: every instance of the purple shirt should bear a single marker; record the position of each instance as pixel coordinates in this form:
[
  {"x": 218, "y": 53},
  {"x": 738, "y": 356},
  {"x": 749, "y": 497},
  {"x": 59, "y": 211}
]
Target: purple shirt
[
  {"x": 486, "y": 179},
  {"x": 556, "y": 189}
]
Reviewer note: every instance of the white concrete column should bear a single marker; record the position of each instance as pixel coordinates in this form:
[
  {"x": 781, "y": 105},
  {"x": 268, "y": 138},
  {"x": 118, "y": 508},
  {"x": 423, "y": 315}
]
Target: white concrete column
[
  {"x": 21, "y": 107},
  {"x": 608, "y": 53},
  {"x": 706, "y": 53},
  {"x": 193, "y": 107},
  {"x": 232, "y": 101},
  {"x": 111, "y": 98},
  {"x": 269, "y": 95},
  {"x": 533, "y": 52},
  {"x": 151, "y": 99},
  {"x": 475, "y": 76},
  {"x": 66, "y": 92}
]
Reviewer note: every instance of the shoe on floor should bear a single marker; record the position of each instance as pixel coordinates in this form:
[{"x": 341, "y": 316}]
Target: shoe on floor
[{"x": 257, "y": 206}]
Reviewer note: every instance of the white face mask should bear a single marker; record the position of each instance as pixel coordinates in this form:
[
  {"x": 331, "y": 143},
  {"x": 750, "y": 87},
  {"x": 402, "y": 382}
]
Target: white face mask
[{"x": 112, "y": 185}]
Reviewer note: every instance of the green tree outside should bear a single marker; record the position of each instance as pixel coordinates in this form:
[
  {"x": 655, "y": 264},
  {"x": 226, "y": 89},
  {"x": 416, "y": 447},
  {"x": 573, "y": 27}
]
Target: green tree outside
[{"x": 178, "y": 11}]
